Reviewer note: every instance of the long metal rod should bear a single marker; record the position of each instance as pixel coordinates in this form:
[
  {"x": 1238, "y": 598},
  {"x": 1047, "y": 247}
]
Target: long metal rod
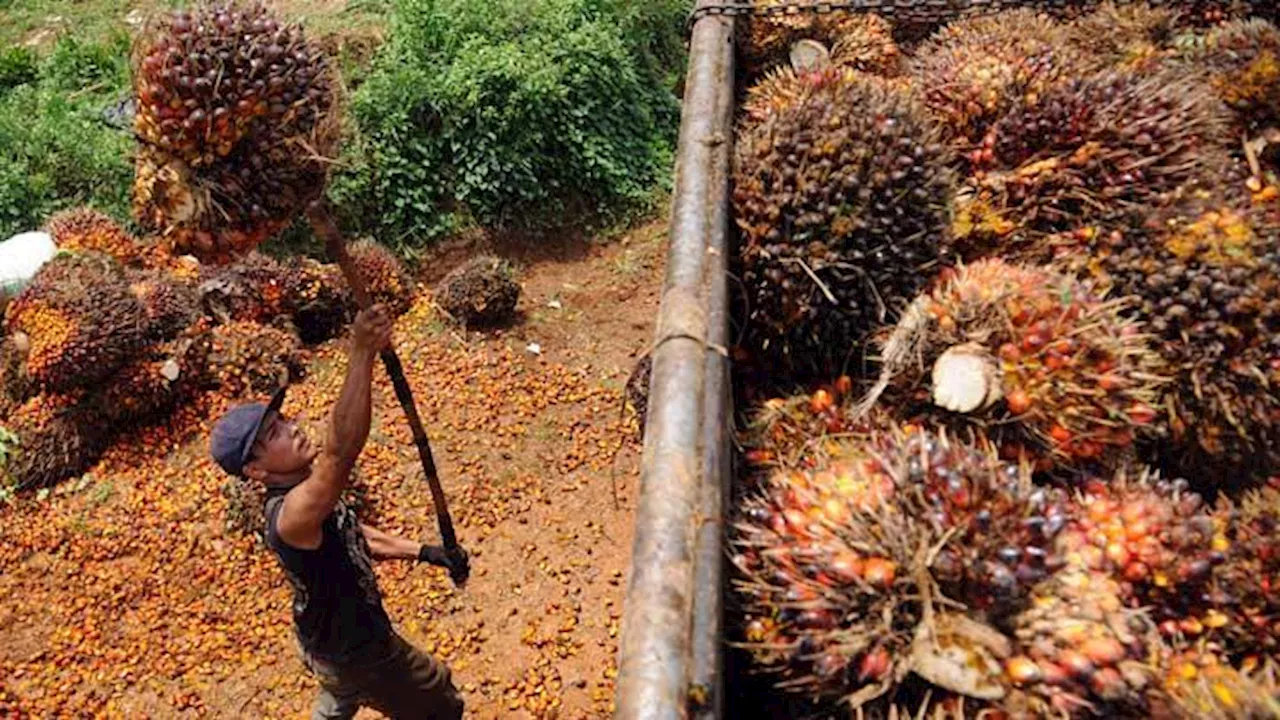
[
  {"x": 654, "y": 655},
  {"x": 707, "y": 673},
  {"x": 324, "y": 226}
]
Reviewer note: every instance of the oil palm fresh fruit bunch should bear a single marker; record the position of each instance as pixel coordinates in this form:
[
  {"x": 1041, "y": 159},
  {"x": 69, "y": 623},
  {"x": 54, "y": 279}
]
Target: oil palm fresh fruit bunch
[
  {"x": 386, "y": 278},
  {"x": 170, "y": 305},
  {"x": 253, "y": 288},
  {"x": 157, "y": 379},
  {"x": 321, "y": 300},
  {"x": 1156, "y": 539},
  {"x": 1050, "y": 362},
  {"x": 637, "y": 390},
  {"x": 843, "y": 565},
  {"x": 1133, "y": 35},
  {"x": 57, "y": 437},
  {"x": 791, "y": 431},
  {"x": 77, "y": 320},
  {"x": 1104, "y": 148},
  {"x": 248, "y": 358},
  {"x": 15, "y": 385},
  {"x": 976, "y": 69},
  {"x": 1207, "y": 273},
  {"x": 1242, "y": 611},
  {"x": 1080, "y": 651},
  {"x": 842, "y": 202},
  {"x": 84, "y": 228},
  {"x": 1242, "y": 59},
  {"x": 1200, "y": 685},
  {"x": 235, "y": 118},
  {"x": 481, "y": 291},
  {"x": 861, "y": 41}
]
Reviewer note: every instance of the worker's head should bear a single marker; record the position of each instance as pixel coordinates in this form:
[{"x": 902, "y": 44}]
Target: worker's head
[{"x": 256, "y": 441}]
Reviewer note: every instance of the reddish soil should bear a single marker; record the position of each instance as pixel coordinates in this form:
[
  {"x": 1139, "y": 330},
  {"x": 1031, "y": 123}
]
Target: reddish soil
[{"x": 127, "y": 594}]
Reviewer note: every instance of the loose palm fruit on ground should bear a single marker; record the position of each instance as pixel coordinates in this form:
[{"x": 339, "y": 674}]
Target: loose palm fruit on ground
[
  {"x": 321, "y": 300},
  {"x": 386, "y": 278},
  {"x": 1049, "y": 361},
  {"x": 482, "y": 291},
  {"x": 836, "y": 580},
  {"x": 842, "y": 201},
  {"x": 58, "y": 436},
  {"x": 78, "y": 320},
  {"x": 235, "y": 118},
  {"x": 1080, "y": 651},
  {"x": 84, "y": 228},
  {"x": 246, "y": 358},
  {"x": 974, "y": 70}
]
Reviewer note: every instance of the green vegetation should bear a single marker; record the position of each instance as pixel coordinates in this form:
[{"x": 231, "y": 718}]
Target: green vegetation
[
  {"x": 56, "y": 147},
  {"x": 529, "y": 112}
]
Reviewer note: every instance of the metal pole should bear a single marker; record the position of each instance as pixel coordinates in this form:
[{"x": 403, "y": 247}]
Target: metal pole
[
  {"x": 324, "y": 226},
  {"x": 655, "y": 654}
]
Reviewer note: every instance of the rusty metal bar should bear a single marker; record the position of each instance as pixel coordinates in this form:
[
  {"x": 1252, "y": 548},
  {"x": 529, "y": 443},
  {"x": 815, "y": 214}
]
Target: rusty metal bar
[{"x": 654, "y": 657}]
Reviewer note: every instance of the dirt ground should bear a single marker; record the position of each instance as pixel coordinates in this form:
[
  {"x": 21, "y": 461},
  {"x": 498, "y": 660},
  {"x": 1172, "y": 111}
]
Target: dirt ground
[{"x": 127, "y": 594}]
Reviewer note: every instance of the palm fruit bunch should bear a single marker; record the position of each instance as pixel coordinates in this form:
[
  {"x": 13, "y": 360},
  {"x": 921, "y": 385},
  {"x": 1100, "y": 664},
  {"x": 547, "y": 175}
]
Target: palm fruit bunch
[
  {"x": 861, "y": 41},
  {"x": 793, "y": 430},
  {"x": 1243, "y": 609},
  {"x": 1207, "y": 273},
  {"x": 58, "y": 436},
  {"x": 481, "y": 291},
  {"x": 974, "y": 70},
  {"x": 1200, "y": 685},
  {"x": 1080, "y": 651},
  {"x": 170, "y": 306},
  {"x": 156, "y": 380},
  {"x": 784, "y": 86},
  {"x": 1048, "y": 360},
  {"x": 84, "y": 228},
  {"x": 1159, "y": 542},
  {"x": 1242, "y": 59},
  {"x": 842, "y": 202},
  {"x": 15, "y": 385},
  {"x": 637, "y": 390},
  {"x": 78, "y": 320},
  {"x": 1099, "y": 149},
  {"x": 1133, "y": 35},
  {"x": 321, "y": 300},
  {"x": 235, "y": 117},
  {"x": 249, "y": 358},
  {"x": 252, "y": 288},
  {"x": 386, "y": 278},
  {"x": 844, "y": 566}
]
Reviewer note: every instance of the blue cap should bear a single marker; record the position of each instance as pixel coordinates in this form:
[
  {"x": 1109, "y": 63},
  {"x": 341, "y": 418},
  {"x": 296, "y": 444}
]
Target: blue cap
[{"x": 235, "y": 433}]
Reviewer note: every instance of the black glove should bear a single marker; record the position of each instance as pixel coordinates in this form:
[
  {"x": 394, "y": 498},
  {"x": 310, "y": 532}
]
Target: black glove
[{"x": 458, "y": 563}]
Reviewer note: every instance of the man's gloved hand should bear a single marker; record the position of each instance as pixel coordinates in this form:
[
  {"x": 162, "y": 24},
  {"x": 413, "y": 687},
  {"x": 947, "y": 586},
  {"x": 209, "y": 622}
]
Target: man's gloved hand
[{"x": 458, "y": 565}]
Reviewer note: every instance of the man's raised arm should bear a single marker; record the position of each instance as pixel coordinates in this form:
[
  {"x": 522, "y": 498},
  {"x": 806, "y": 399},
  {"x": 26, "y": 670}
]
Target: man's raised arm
[{"x": 308, "y": 504}]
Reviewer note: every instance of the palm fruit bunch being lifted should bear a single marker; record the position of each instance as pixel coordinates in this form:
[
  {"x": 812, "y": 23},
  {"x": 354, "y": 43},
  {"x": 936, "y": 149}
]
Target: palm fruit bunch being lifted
[
  {"x": 1027, "y": 349},
  {"x": 841, "y": 199},
  {"x": 235, "y": 119},
  {"x": 850, "y": 571}
]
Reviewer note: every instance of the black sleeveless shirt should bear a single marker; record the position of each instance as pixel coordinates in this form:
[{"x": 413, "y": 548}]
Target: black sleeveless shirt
[{"x": 337, "y": 608}]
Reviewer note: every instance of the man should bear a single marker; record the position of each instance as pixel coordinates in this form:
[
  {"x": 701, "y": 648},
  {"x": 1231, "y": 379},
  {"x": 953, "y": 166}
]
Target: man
[{"x": 345, "y": 635}]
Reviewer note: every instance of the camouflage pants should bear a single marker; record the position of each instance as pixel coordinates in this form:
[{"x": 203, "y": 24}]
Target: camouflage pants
[{"x": 402, "y": 682}]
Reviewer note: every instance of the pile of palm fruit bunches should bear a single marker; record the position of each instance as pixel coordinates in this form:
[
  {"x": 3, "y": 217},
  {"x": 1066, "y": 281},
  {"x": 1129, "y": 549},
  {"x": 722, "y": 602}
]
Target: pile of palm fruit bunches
[
  {"x": 1010, "y": 361},
  {"x": 233, "y": 124}
]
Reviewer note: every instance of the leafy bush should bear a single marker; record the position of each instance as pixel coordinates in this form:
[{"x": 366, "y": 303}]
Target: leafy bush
[
  {"x": 511, "y": 111},
  {"x": 55, "y": 148},
  {"x": 18, "y": 66}
]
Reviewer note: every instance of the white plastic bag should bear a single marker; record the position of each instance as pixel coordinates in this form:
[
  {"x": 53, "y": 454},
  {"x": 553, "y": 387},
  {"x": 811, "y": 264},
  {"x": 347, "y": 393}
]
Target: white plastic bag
[{"x": 20, "y": 257}]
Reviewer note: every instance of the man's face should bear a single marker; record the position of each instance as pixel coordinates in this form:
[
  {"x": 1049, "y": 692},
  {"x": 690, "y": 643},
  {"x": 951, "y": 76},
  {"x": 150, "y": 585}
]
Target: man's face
[{"x": 281, "y": 451}]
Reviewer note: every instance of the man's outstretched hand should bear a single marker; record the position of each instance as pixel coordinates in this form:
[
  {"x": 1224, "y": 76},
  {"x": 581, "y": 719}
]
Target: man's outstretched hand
[
  {"x": 371, "y": 331},
  {"x": 458, "y": 563}
]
